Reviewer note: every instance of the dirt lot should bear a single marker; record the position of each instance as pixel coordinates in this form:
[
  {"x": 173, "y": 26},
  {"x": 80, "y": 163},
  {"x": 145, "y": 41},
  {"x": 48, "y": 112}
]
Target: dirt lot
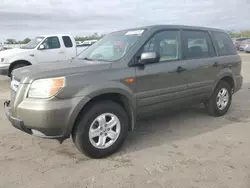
[{"x": 185, "y": 149}]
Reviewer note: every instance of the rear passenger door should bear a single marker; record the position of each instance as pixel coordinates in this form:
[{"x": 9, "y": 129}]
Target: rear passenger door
[
  {"x": 199, "y": 56},
  {"x": 159, "y": 84}
]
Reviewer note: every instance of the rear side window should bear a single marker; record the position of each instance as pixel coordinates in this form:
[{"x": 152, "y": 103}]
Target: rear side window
[
  {"x": 67, "y": 42},
  {"x": 223, "y": 44},
  {"x": 196, "y": 44}
]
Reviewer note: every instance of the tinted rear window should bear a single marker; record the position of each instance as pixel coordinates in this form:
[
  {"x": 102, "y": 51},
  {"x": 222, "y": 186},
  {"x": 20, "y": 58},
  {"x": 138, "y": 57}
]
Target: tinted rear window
[
  {"x": 223, "y": 44},
  {"x": 67, "y": 41}
]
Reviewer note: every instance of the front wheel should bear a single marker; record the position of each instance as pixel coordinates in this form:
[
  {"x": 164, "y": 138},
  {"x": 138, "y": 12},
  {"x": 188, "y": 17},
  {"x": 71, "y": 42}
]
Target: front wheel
[
  {"x": 221, "y": 99},
  {"x": 102, "y": 130}
]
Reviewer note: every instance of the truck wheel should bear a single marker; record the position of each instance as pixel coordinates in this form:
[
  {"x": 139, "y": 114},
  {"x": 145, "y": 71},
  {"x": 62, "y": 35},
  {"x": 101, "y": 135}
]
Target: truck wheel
[
  {"x": 220, "y": 101},
  {"x": 16, "y": 67},
  {"x": 102, "y": 129}
]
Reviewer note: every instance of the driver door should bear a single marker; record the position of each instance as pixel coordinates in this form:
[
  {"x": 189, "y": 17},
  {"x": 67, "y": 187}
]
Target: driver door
[
  {"x": 159, "y": 84},
  {"x": 52, "y": 52}
]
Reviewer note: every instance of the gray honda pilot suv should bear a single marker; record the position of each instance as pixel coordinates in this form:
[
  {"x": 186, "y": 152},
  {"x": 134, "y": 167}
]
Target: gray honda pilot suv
[{"x": 97, "y": 97}]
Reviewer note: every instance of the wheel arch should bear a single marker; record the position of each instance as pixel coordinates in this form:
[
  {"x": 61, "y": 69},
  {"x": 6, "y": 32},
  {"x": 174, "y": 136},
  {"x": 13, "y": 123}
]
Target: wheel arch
[
  {"x": 117, "y": 97},
  {"x": 16, "y": 63},
  {"x": 228, "y": 78}
]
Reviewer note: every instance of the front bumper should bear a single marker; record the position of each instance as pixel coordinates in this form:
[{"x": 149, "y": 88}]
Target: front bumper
[
  {"x": 45, "y": 119},
  {"x": 17, "y": 123},
  {"x": 4, "y": 69}
]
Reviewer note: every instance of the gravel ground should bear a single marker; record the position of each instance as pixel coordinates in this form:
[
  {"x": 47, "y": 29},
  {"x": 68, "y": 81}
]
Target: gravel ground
[{"x": 184, "y": 149}]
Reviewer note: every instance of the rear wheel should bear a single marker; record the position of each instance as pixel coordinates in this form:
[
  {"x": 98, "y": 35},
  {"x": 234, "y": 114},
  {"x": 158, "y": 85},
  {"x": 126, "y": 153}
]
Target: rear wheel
[
  {"x": 220, "y": 101},
  {"x": 102, "y": 130}
]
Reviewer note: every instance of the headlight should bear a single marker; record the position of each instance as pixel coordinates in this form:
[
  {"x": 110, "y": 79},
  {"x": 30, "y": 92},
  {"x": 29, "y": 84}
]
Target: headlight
[
  {"x": 46, "y": 88},
  {"x": 2, "y": 60}
]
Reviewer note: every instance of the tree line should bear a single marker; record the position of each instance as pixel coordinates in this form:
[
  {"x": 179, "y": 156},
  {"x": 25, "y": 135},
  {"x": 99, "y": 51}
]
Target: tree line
[
  {"x": 96, "y": 36},
  {"x": 239, "y": 34}
]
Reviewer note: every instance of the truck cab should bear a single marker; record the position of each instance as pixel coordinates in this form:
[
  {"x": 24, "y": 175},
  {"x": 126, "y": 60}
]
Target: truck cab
[{"x": 42, "y": 49}]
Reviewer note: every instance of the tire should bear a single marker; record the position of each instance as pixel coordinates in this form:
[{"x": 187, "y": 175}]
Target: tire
[
  {"x": 81, "y": 133},
  {"x": 16, "y": 67},
  {"x": 211, "y": 105}
]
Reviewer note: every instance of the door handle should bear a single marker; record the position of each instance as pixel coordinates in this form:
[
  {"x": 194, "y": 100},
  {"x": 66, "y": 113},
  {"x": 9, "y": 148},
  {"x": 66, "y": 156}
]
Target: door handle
[
  {"x": 180, "y": 69},
  {"x": 216, "y": 64},
  {"x": 32, "y": 55},
  {"x": 61, "y": 52}
]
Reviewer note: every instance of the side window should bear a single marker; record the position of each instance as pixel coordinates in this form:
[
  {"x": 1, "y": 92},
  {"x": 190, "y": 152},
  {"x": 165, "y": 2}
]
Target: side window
[
  {"x": 67, "y": 42},
  {"x": 166, "y": 43},
  {"x": 223, "y": 44},
  {"x": 196, "y": 45},
  {"x": 51, "y": 43}
]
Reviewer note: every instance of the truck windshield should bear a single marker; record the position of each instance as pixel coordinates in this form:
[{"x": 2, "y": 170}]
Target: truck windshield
[
  {"x": 33, "y": 43},
  {"x": 112, "y": 47}
]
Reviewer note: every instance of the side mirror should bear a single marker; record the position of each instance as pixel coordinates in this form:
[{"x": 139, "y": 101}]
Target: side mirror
[
  {"x": 149, "y": 57},
  {"x": 41, "y": 47}
]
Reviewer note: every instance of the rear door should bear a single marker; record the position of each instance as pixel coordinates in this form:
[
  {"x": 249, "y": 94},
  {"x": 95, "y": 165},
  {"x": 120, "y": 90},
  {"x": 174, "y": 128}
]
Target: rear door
[
  {"x": 53, "y": 51},
  {"x": 200, "y": 58},
  {"x": 159, "y": 85}
]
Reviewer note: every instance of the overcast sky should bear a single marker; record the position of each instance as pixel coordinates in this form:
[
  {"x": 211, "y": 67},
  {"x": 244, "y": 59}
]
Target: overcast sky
[{"x": 28, "y": 18}]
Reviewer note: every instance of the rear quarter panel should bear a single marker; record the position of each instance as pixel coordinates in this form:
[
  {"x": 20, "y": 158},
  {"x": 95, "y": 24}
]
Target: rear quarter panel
[{"x": 229, "y": 66}]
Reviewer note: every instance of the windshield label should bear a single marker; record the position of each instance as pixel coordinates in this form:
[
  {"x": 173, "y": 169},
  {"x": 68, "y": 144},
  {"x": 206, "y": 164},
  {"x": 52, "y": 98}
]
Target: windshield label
[{"x": 135, "y": 32}]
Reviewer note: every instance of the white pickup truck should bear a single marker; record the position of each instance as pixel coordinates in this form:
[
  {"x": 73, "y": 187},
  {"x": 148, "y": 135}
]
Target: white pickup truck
[{"x": 42, "y": 49}]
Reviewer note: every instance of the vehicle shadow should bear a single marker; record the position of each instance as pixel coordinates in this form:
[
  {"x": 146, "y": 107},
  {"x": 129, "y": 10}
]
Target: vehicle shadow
[
  {"x": 180, "y": 124},
  {"x": 167, "y": 127},
  {"x": 159, "y": 129}
]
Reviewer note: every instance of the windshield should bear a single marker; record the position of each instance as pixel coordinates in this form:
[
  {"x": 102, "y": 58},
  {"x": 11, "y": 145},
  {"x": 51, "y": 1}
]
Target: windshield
[
  {"x": 112, "y": 47},
  {"x": 33, "y": 43}
]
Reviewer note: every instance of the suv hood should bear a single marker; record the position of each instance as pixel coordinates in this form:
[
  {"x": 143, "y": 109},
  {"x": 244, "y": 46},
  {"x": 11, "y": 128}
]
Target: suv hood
[
  {"x": 10, "y": 52},
  {"x": 64, "y": 68}
]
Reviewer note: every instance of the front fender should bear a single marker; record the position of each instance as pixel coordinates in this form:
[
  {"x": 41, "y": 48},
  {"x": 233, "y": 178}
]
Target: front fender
[
  {"x": 110, "y": 87},
  {"x": 23, "y": 57},
  {"x": 94, "y": 90}
]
